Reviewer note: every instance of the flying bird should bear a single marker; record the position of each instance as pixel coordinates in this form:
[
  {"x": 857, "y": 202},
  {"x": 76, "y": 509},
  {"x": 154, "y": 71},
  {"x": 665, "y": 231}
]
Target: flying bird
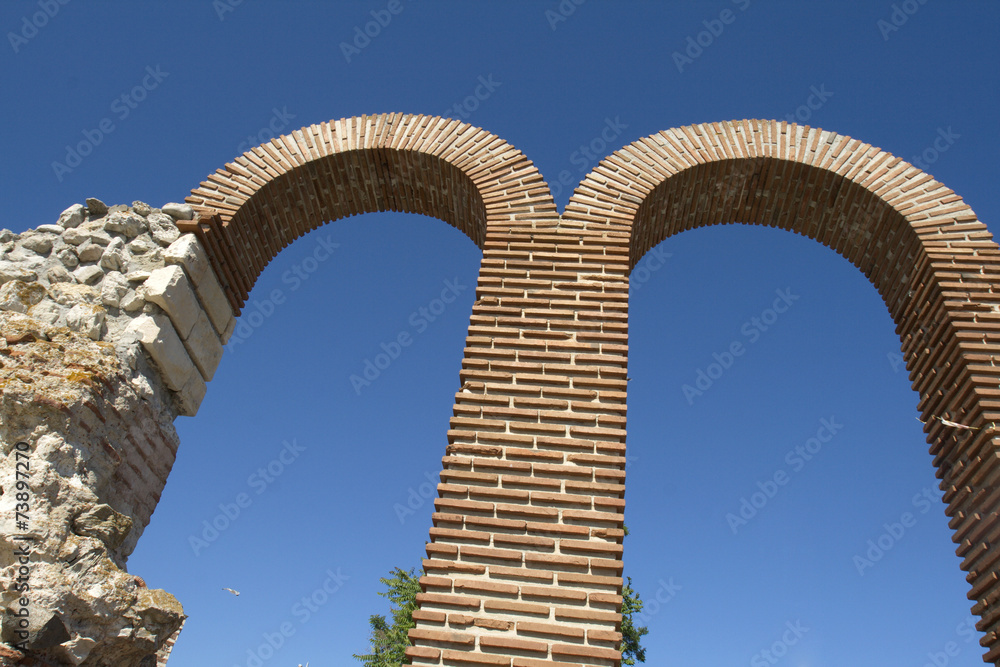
[{"x": 230, "y": 590}]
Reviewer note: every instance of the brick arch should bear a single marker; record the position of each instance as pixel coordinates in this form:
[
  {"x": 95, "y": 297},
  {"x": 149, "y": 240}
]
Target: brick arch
[
  {"x": 274, "y": 193},
  {"x": 934, "y": 264}
]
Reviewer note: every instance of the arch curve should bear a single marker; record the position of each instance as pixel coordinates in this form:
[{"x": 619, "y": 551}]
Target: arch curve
[
  {"x": 274, "y": 193},
  {"x": 933, "y": 262}
]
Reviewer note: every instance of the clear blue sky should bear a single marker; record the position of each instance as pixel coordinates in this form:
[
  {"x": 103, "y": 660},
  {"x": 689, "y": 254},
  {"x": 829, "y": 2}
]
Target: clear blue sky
[{"x": 223, "y": 76}]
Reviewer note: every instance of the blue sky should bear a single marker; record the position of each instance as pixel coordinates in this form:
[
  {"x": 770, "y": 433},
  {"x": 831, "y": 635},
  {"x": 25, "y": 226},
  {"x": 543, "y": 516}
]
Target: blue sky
[{"x": 215, "y": 76}]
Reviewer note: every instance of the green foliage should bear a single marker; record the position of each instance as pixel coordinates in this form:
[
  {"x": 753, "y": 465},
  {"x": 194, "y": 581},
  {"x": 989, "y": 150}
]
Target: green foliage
[
  {"x": 388, "y": 642},
  {"x": 631, "y": 635}
]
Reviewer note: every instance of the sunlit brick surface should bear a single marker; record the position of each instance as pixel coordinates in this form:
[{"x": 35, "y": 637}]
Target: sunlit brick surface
[{"x": 524, "y": 559}]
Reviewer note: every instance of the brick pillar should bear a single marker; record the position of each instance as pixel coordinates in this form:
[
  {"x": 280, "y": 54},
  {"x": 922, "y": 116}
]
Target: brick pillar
[{"x": 524, "y": 559}]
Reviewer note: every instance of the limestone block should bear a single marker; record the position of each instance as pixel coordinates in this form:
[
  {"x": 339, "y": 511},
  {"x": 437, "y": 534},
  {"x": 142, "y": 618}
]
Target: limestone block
[
  {"x": 68, "y": 258},
  {"x": 38, "y": 243},
  {"x": 160, "y": 340},
  {"x": 113, "y": 288},
  {"x": 74, "y": 236},
  {"x": 215, "y": 302},
  {"x": 188, "y": 252},
  {"x": 11, "y": 271},
  {"x": 90, "y": 252},
  {"x": 59, "y": 274},
  {"x": 116, "y": 256},
  {"x": 95, "y": 207},
  {"x": 190, "y": 396},
  {"x": 204, "y": 346},
  {"x": 178, "y": 211},
  {"x": 163, "y": 228},
  {"x": 73, "y": 216},
  {"x": 229, "y": 331},
  {"x": 170, "y": 289},
  {"x": 88, "y": 275}
]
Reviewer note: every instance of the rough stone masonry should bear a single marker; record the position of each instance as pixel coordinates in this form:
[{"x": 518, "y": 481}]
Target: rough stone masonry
[
  {"x": 113, "y": 319},
  {"x": 111, "y": 324}
]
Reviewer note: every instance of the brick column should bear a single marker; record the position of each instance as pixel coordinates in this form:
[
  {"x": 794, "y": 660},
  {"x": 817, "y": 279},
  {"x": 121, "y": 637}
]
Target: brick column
[{"x": 524, "y": 562}]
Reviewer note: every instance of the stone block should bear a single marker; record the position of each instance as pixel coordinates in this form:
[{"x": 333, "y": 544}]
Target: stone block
[
  {"x": 229, "y": 331},
  {"x": 204, "y": 346},
  {"x": 188, "y": 252},
  {"x": 73, "y": 216},
  {"x": 190, "y": 396},
  {"x": 161, "y": 342},
  {"x": 170, "y": 289},
  {"x": 178, "y": 211}
]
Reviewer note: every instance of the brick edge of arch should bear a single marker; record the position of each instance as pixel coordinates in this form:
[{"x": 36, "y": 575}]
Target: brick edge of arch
[{"x": 531, "y": 364}]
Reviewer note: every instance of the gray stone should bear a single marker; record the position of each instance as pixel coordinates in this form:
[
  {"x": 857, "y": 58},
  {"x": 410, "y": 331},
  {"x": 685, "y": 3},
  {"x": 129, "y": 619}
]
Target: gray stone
[
  {"x": 103, "y": 523},
  {"x": 160, "y": 340},
  {"x": 230, "y": 328},
  {"x": 190, "y": 396},
  {"x": 137, "y": 276},
  {"x": 163, "y": 228},
  {"x": 50, "y": 229},
  {"x": 204, "y": 346},
  {"x": 113, "y": 289},
  {"x": 90, "y": 252},
  {"x": 68, "y": 258},
  {"x": 73, "y": 216},
  {"x": 115, "y": 224},
  {"x": 170, "y": 289},
  {"x": 131, "y": 302},
  {"x": 100, "y": 237},
  {"x": 166, "y": 235},
  {"x": 40, "y": 243},
  {"x": 96, "y": 207},
  {"x": 74, "y": 236},
  {"x": 86, "y": 319},
  {"x": 134, "y": 225},
  {"x": 116, "y": 256},
  {"x": 59, "y": 274},
  {"x": 88, "y": 275},
  {"x": 140, "y": 245},
  {"x": 142, "y": 208},
  {"x": 188, "y": 252},
  {"x": 11, "y": 271},
  {"x": 6, "y": 235},
  {"x": 45, "y": 630},
  {"x": 178, "y": 211}
]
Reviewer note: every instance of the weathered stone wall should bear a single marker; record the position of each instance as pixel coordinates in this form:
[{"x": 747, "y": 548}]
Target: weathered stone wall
[{"x": 111, "y": 324}]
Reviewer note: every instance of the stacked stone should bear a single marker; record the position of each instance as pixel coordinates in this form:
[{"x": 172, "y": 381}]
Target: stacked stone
[
  {"x": 124, "y": 274},
  {"x": 79, "y": 301}
]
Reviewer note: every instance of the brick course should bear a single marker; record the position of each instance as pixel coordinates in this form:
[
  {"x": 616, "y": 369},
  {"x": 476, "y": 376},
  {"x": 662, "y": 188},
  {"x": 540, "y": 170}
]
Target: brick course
[{"x": 524, "y": 558}]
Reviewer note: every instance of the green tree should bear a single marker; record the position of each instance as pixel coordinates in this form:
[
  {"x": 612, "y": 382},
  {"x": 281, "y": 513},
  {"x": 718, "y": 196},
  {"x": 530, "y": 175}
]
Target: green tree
[
  {"x": 388, "y": 641},
  {"x": 631, "y": 635}
]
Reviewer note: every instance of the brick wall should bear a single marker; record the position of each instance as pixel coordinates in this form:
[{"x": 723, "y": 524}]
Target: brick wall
[{"x": 524, "y": 558}]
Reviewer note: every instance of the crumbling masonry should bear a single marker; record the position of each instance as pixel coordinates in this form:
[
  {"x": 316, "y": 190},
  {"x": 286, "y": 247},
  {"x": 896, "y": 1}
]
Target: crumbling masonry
[{"x": 114, "y": 320}]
